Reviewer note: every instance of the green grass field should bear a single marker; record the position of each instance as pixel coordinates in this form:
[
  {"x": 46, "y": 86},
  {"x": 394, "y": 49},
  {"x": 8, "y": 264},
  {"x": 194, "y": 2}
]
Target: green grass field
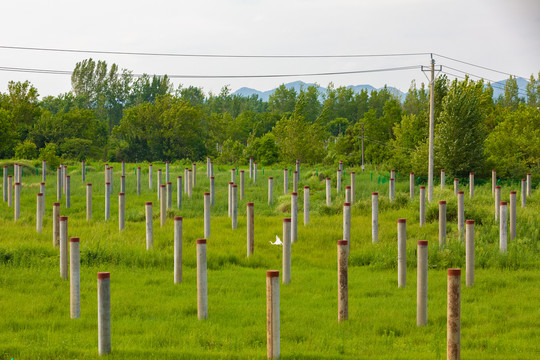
[{"x": 152, "y": 318}]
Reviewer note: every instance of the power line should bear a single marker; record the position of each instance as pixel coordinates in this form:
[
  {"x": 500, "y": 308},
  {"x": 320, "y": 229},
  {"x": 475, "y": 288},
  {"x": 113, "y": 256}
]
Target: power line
[
  {"x": 478, "y": 66},
  {"x": 186, "y": 76},
  {"x": 141, "y": 53},
  {"x": 493, "y": 83}
]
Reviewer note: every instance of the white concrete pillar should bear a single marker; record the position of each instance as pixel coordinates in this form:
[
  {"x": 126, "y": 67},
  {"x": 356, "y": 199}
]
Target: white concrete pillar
[
  {"x": 10, "y": 191},
  {"x": 229, "y": 212},
  {"x": 493, "y": 181},
  {"x": 139, "y": 180},
  {"x": 285, "y": 181},
  {"x": 250, "y": 212},
  {"x": 272, "y": 314},
  {"x": 286, "y": 251},
  {"x": 150, "y": 176},
  {"x": 513, "y": 215},
  {"x": 68, "y": 192},
  {"x": 107, "y": 201},
  {"x": 347, "y": 194},
  {"x": 338, "y": 182},
  {"x": 306, "y": 205},
  {"x": 411, "y": 185},
  {"x": 391, "y": 189},
  {"x": 212, "y": 190},
  {"x": 374, "y": 217},
  {"x": 422, "y": 206},
  {"x": 178, "y": 249},
  {"x": 202, "y": 289},
  {"x": 295, "y": 182},
  {"x": 343, "y": 283},
  {"x": 421, "y": 282},
  {"x": 163, "y": 206},
  {"x": 469, "y": 253},
  {"x": 208, "y": 167},
  {"x": 442, "y": 223},
  {"x": 159, "y": 186},
  {"x": 167, "y": 174},
  {"x": 503, "y": 227},
  {"x": 149, "y": 225},
  {"x": 443, "y": 179},
  {"x": 5, "y": 183},
  {"x": 497, "y": 201},
  {"x": 56, "y": 224},
  {"x": 42, "y": 191},
  {"x": 123, "y": 183},
  {"x": 234, "y": 207},
  {"x": 328, "y": 193},
  {"x": 270, "y": 191},
  {"x": 402, "y": 252},
  {"x": 523, "y": 193},
  {"x": 193, "y": 175},
  {"x": 44, "y": 171},
  {"x": 453, "y": 315},
  {"x": 74, "y": 278},
  {"x": 392, "y": 174},
  {"x": 347, "y": 225},
  {"x": 39, "y": 213},
  {"x": 242, "y": 183},
  {"x": 59, "y": 184},
  {"x": 169, "y": 195},
  {"x": 211, "y": 168},
  {"x": 17, "y": 201},
  {"x": 471, "y": 185},
  {"x": 88, "y": 202},
  {"x": 178, "y": 192},
  {"x": 190, "y": 184},
  {"x": 121, "y": 211},
  {"x": 233, "y": 176},
  {"x": 353, "y": 186},
  {"x": 254, "y": 172},
  {"x": 104, "y": 313},
  {"x": 294, "y": 217},
  {"x": 251, "y": 168},
  {"x": 461, "y": 213},
  {"x": 529, "y": 184},
  {"x": 207, "y": 215},
  {"x": 456, "y": 186},
  {"x": 186, "y": 180}
]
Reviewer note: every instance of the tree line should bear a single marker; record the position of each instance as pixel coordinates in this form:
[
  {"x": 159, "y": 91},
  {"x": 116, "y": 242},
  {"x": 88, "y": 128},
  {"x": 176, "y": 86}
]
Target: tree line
[{"x": 111, "y": 115}]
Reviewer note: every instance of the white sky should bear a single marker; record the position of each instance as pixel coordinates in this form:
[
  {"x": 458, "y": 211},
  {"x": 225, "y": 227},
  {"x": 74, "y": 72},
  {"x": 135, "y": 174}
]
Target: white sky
[{"x": 500, "y": 34}]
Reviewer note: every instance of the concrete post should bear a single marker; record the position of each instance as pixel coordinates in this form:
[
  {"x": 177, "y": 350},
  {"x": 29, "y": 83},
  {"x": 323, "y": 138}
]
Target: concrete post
[
  {"x": 186, "y": 180},
  {"x": 461, "y": 213},
  {"x": 59, "y": 184},
  {"x": 347, "y": 194},
  {"x": 190, "y": 184},
  {"x": 411, "y": 185},
  {"x": 139, "y": 181},
  {"x": 402, "y": 252},
  {"x": 42, "y": 191},
  {"x": 422, "y": 206},
  {"x": 254, "y": 172},
  {"x": 295, "y": 182},
  {"x": 63, "y": 247},
  {"x": 512, "y": 215},
  {"x": 159, "y": 186},
  {"x": 194, "y": 175},
  {"x": 10, "y": 191},
  {"x": 469, "y": 253},
  {"x": 202, "y": 292},
  {"x": 285, "y": 181},
  {"x": 169, "y": 195},
  {"x": 167, "y": 177},
  {"x": 251, "y": 168},
  {"x": 44, "y": 171},
  {"x": 453, "y": 327},
  {"x": 104, "y": 312},
  {"x": 328, "y": 193},
  {"x": 294, "y": 217},
  {"x": 211, "y": 168},
  {"x": 456, "y": 186},
  {"x": 68, "y": 192},
  {"x": 212, "y": 190},
  {"x": 242, "y": 182},
  {"x": 123, "y": 183},
  {"x": 306, "y": 205},
  {"x": 343, "y": 285},
  {"x": 179, "y": 192},
  {"x": 56, "y": 224},
  {"x": 229, "y": 212},
  {"x": 270, "y": 191},
  {"x": 443, "y": 179},
  {"x": 374, "y": 217},
  {"x": 39, "y": 213},
  {"x": 74, "y": 278},
  {"x": 207, "y": 215},
  {"x": 149, "y": 225},
  {"x": 471, "y": 185},
  {"x": 177, "y": 249},
  {"x": 497, "y": 201},
  {"x": 286, "y": 250},
  {"x": 121, "y": 211},
  {"x": 503, "y": 227},
  {"x": 88, "y": 202},
  {"x": 493, "y": 181},
  {"x": 17, "y": 200},
  {"x": 5, "y": 183},
  {"x": 393, "y": 174},
  {"x": 391, "y": 189},
  {"x": 272, "y": 314},
  {"x": 523, "y": 193},
  {"x": 150, "y": 176},
  {"x": 338, "y": 182},
  {"x": 353, "y": 186},
  {"x": 347, "y": 225},
  {"x": 442, "y": 223},
  {"x": 64, "y": 175},
  {"x": 421, "y": 283},
  {"x": 107, "y": 201},
  {"x": 208, "y": 167},
  {"x": 163, "y": 206},
  {"x": 250, "y": 211},
  {"x": 234, "y": 207},
  {"x": 123, "y": 168},
  {"x": 529, "y": 184},
  {"x": 15, "y": 172},
  {"x": 233, "y": 176}
]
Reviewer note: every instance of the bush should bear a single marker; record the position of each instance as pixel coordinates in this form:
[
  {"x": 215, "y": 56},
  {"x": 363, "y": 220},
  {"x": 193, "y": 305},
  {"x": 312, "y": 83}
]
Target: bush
[
  {"x": 48, "y": 153},
  {"x": 26, "y": 150}
]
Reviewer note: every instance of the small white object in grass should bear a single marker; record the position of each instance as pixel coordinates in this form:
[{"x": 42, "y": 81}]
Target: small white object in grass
[{"x": 278, "y": 241}]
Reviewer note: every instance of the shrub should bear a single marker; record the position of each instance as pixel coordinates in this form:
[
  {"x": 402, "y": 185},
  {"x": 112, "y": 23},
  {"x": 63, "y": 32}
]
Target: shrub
[
  {"x": 26, "y": 150},
  {"x": 48, "y": 153}
]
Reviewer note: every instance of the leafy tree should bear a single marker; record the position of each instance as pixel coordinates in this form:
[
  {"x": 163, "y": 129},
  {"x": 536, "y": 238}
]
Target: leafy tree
[
  {"x": 148, "y": 88},
  {"x": 533, "y": 91},
  {"x": 299, "y": 139},
  {"x": 8, "y": 134},
  {"x": 50, "y": 154},
  {"x": 264, "y": 149},
  {"x": 337, "y": 126},
  {"x": 26, "y": 150},
  {"x": 460, "y": 132},
  {"x": 283, "y": 100},
  {"x": 22, "y": 102},
  {"x": 511, "y": 93},
  {"x": 408, "y": 135},
  {"x": 231, "y": 152},
  {"x": 308, "y": 105}
]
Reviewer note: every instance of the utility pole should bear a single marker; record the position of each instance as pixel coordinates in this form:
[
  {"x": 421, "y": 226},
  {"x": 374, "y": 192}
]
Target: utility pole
[
  {"x": 431, "y": 128},
  {"x": 362, "y": 147}
]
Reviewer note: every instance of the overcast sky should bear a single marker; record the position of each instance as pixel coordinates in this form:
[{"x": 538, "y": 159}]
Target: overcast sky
[{"x": 499, "y": 34}]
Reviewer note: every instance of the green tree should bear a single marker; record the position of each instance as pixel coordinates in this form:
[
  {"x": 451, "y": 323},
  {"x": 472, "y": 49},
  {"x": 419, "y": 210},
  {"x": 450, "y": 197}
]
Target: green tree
[
  {"x": 283, "y": 100},
  {"x": 26, "y": 150},
  {"x": 308, "y": 105},
  {"x": 299, "y": 139}
]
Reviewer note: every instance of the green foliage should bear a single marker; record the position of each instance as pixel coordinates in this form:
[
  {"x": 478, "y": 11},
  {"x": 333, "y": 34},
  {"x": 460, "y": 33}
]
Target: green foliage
[
  {"x": 264, "y": 149},
  {"x": 460, "y": 132},
  {"x": 283, "y": 100},
  {"x": 408, "y": 135},
  {"x": 48, "y": 153},
  {"x": 26, "y": 150},
  {"x": 232, "y": 152}
]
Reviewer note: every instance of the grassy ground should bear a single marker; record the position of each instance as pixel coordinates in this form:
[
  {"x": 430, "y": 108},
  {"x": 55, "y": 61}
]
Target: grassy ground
[{"x": 153, "y": 318}]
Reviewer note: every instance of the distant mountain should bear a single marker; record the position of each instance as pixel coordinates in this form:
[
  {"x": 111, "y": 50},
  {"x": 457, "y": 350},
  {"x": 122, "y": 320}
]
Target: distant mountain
[
  {"x": 297, "y": 85},
  {"x": 498, "y": 88}
]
